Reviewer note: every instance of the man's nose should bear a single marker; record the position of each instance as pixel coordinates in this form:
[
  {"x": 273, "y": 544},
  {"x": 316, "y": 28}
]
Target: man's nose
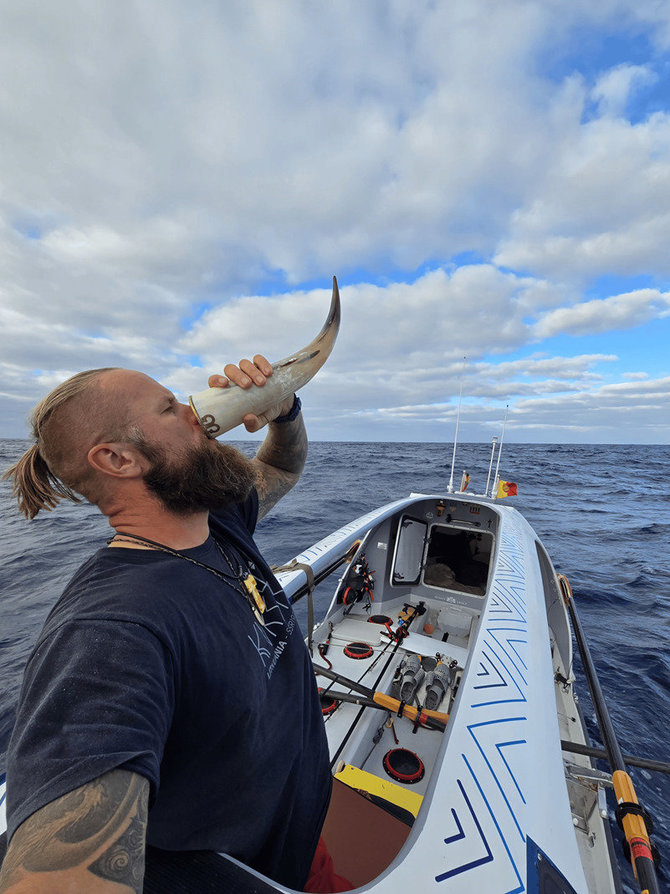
[{"x": 189, "y": 415}]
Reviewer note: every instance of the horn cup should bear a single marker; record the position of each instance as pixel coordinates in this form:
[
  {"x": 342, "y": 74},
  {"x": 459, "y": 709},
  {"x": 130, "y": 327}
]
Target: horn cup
[{"x": 218, "y": 410}]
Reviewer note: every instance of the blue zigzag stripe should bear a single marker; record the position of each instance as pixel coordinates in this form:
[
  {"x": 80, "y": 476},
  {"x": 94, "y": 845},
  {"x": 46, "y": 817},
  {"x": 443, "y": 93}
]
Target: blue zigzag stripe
[
  {"x": 487, "y": 673},
  {"x": 521, "y": 887},
  {"x": 492, "y": 771},
  {"x": 506, "y": 681},
  {"x": 492, "y": 631},
  {"x": 508, "y": 606},
  {"x": 460, "y": 836},
  {"x": 502, "y": 745}
]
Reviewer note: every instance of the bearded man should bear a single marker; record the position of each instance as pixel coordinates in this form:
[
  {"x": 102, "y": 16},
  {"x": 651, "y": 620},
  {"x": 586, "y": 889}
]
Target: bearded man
[{"x": 169, "y": 702}]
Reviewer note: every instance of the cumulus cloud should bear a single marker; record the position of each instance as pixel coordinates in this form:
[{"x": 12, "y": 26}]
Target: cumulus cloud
[
  {"x": 400, "y": 354},
  {"x": 602, "y": 315},
  {"x": 613, "y": 89},
  {"x": 174, "y": 181},
  {"x": 603, "y": 204}
]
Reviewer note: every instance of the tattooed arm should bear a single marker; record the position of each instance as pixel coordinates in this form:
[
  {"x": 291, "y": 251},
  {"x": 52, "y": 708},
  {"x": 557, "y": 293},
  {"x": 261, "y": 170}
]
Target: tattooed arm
[
  {"x": 90, "y": 840},
  {"x": 279, "y": 461}
]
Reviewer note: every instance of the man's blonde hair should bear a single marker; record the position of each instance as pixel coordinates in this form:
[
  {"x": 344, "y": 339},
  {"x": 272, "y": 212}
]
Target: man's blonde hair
[{"x": 65, "y": 425}]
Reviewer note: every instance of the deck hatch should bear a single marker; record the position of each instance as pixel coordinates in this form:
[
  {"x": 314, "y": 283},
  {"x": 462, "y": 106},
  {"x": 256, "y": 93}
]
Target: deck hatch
[{"x": 409, "y": 548}]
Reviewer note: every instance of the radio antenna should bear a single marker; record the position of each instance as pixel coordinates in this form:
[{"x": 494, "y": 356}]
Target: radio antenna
[
  {"x": 502, "y": 438},
  {"x": 450, "y": 489},
  {"x": 493, "y": 453}
]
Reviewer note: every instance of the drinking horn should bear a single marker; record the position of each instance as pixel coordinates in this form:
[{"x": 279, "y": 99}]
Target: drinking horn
[{"x": 220, "y": 409}]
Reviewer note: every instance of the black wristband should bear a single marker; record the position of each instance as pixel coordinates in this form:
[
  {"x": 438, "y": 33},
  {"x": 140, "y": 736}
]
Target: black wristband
[{"x": 293, "y": 413}]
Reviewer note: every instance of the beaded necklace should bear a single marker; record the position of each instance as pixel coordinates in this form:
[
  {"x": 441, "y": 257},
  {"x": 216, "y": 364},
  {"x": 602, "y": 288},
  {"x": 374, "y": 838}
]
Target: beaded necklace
[{"x": 241, "y": 580}]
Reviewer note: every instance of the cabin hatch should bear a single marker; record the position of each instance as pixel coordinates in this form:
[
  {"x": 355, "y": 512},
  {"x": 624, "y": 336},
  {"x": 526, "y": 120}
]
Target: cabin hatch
[
  {"x": 458, "y": 559},
  {"x": 446, "y": 556}
]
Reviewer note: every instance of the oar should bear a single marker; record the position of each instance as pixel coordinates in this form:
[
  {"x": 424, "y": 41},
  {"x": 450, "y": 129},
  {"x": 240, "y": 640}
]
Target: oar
[
  {"x": 644, "y": 762},
  {"x": 632, "y": 819},
  {"x": 434, "y": 719}
]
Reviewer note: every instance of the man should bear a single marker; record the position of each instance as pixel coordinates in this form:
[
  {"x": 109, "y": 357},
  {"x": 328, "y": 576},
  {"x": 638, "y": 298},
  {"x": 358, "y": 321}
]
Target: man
[{"x": 169, "y": 701}]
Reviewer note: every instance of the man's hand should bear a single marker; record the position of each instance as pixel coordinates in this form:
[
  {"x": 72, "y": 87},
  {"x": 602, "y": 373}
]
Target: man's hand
[
  {"x": 248, "y": 373},
  {"x": 90, "y": 841},
  {"x": 281, "y": 457}
]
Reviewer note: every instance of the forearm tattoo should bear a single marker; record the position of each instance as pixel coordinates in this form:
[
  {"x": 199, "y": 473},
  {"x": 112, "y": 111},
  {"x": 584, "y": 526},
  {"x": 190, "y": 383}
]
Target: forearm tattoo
[
  {"x": 280, "y": 460},
  {"x": 99, "y": 828}
]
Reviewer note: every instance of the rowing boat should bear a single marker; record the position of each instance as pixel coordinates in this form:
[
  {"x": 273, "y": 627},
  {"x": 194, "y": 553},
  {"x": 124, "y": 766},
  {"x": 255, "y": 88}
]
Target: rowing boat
[
  {"x": 445, "y": 662},
  {"x": 451, "y": 604}
]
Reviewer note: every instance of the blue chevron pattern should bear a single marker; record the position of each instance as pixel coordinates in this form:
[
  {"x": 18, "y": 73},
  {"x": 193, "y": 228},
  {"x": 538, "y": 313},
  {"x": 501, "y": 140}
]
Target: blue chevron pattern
[
  {"x": 500, "y": 681},
  {"x": 484, "y": 744},
  {"x": 461, "y": 837}
]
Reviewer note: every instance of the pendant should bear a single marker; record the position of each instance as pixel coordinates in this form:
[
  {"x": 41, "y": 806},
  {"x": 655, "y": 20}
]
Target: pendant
[{"x": 258, "y": 604}]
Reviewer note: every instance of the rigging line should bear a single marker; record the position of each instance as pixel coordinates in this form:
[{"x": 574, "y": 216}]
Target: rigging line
[
  {"x": 643, "y": 762},
  {"x": 344, "y": 741},
  {"x": 360, "y": 679}
]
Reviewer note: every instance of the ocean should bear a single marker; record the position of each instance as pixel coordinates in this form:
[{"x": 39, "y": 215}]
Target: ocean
[{"x": 602, "y": 512}]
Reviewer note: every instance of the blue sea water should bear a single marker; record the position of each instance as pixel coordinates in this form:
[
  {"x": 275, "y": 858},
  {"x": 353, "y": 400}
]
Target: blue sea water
[{"x": 602, "y": 512}]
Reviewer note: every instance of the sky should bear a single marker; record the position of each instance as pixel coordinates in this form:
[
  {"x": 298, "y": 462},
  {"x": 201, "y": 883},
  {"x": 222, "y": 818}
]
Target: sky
[{"x": 490, "y": 182}]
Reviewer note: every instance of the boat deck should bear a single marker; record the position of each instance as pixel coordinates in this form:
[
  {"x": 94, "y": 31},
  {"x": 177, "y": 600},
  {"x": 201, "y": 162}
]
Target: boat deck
[{"x": 363, "y": 740}]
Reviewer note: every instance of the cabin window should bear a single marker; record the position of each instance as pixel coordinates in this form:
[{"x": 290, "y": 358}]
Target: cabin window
[
  {"x": 409, "y": 551},
  {"x": 458, "y": 559}
]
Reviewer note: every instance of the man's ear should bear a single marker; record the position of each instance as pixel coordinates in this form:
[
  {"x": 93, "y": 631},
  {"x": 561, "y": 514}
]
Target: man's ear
[{"x": 116, "y": 459}]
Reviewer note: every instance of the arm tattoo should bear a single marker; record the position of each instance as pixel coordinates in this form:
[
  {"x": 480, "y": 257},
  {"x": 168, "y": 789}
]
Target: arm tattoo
[
  {"x": 279, "y": 461},
  {"x": 98, "y": 828},
  {"x": 272, "y": 484}
]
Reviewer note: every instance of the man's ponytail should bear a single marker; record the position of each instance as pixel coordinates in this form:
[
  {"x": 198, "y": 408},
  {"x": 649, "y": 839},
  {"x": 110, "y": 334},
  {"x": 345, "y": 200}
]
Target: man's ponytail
[
  {"x": 34, "y": 486},
  {"x": 56, "y": 465}
]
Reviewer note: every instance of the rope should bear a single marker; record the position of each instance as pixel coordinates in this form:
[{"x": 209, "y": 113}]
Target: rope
[{"x": 294, "y": 565}]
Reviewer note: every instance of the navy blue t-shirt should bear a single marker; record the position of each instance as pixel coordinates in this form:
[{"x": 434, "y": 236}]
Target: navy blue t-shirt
[{"x": 152, "y": 664}]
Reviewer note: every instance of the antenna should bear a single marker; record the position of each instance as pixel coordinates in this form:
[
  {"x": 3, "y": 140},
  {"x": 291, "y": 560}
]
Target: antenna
[
  {"x": 502, "y": 438},
  {"x": 450, "y": 489},
  {"x": 493, "y": 453}
]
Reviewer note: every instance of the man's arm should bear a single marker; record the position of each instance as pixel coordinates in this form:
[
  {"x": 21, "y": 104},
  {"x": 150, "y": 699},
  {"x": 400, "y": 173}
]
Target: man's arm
[
  {"x": 90, "y": 840},
  {"x": 279, "y": 462}
]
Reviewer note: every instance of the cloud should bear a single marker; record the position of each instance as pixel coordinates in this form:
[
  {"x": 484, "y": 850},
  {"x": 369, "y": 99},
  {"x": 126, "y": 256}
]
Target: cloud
[
  {"x": 224, "y": 144},
  {"x": 646, "y": 404},
  {"x": 602, "y": 205},
  {"x": 192, "y": 151},
  {"x": 174, "y": 181},
  {"x": 614, "y": 87},
  {"x": 537, "y": 366},
  {"x": 400, "y": 354},
  {"x": 443, "y": 314},
  {"x": 602, "y": 315}
]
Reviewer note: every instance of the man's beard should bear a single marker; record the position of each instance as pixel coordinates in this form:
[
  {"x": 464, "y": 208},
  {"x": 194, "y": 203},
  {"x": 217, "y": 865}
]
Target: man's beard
[{"x": 208, "y": 476}]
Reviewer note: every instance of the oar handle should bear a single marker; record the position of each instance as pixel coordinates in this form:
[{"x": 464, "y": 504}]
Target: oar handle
[
  {"x": 393, "y": 704},
  {"x": 432, "y": 719},
  {"x": 385, "y": 701}
]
